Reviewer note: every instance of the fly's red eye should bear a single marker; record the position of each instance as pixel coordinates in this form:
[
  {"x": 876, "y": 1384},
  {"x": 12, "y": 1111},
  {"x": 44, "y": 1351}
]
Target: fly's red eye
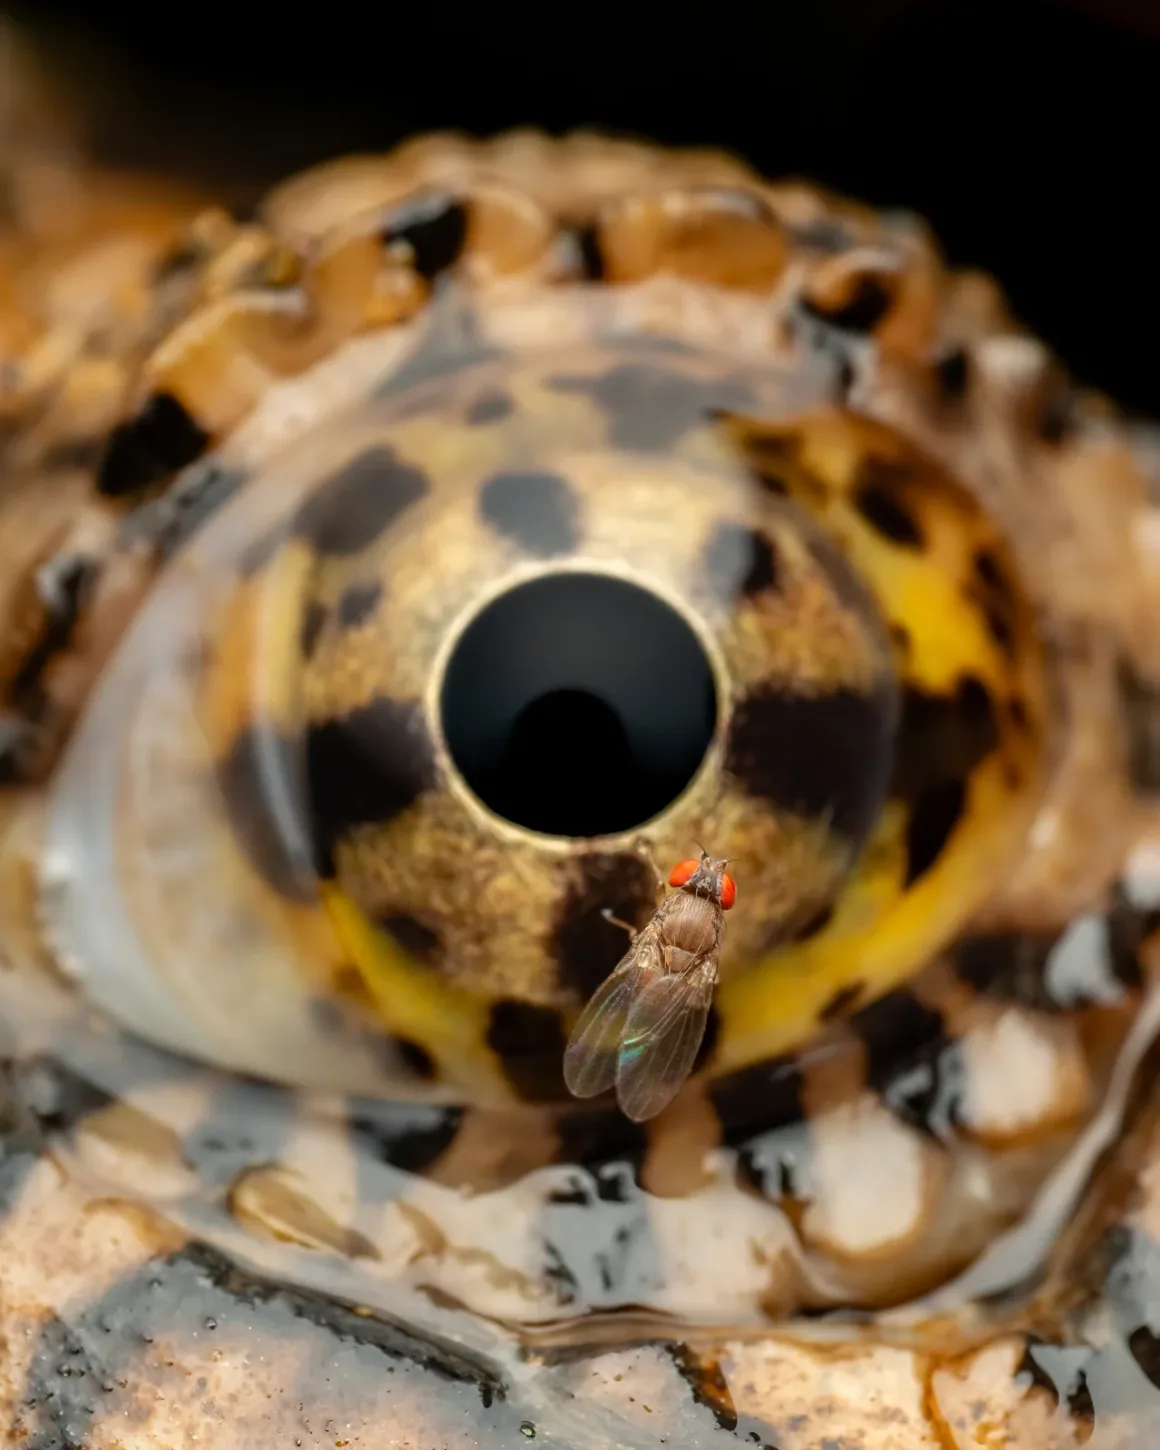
[
  {"x": 728, "y": 892},
  {"x": 681, "y": 872}
]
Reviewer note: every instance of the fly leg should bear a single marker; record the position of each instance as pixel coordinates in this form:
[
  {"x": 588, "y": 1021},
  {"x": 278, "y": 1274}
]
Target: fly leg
[
  {"x": 606, "y": 913},
  {"x": 644, "y": 851}
]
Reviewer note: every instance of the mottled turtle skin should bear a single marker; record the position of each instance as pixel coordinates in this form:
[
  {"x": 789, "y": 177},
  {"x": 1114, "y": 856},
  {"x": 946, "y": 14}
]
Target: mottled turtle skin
[{"x": 260, "y": 479}]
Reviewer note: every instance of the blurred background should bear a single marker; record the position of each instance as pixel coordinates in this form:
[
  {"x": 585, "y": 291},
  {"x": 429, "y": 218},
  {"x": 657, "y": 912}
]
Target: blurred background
[{"x": 1025, "y": 130}]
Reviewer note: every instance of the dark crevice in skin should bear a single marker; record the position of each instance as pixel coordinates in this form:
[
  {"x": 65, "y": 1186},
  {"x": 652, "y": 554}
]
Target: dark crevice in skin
[
  {"x": 147, "y": 448},
  {"x": 410, "y": 1136},
  {"x": 64, "y": 585},
  {"x": 171, "y": 521},
  {"x": 432, "y": 227},
  {"x": 872, "y": 298}
]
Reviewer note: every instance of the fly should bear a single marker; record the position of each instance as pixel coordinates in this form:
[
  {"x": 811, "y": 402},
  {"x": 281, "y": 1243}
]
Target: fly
[{"x": 643, "y": 1025}]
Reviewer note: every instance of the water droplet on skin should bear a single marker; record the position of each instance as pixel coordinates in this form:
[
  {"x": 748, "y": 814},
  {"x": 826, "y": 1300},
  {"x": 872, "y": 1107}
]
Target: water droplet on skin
[
  {"x": 211, "y": 1322},
  {"x": 528, "y": 1429}
]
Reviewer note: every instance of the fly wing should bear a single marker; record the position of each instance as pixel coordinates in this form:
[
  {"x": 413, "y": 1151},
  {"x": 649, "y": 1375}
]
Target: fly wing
[
  {"x": 591, "y": 1055},
  {"x": 666, "y": 1023}
]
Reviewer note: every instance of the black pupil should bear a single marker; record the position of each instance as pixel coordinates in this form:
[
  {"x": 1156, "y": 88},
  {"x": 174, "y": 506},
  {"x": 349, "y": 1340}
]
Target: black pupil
[{"x": 578, "y": 705}]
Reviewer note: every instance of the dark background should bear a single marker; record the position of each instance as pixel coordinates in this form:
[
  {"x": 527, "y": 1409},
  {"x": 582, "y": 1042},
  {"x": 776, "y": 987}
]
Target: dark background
[{"x": 1025, "y": 130}]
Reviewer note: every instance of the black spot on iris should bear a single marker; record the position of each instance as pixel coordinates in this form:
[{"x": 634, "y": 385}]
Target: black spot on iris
[
  {"x": 359, "y": 502},
  {"x": 996, "y": 598},
  {"x": 147, "y": 448},
  {"x": 821, "y": 755},
  {"x": 414, "y": 1057},
  {"x": 313, "y": 620},
  {"x": 489, "y": 407},
  {"x": 870, "y": 299},
  {"x": 244, "y": 778},
  {"x": 999, "y": 628},
  {"x": 358, "y": 603},
  {"x": 816, "y": 922},
  {"x": 879, "y": 498},
  {"x": 942, "y": 739},
  {"x": 585, "y": 945},
  {"x": 933, "y": 819},
  {"x": 536, "y": 510},
  {"x": 433, "y": 227},
  {"x": 650, "y": 408},
  {"x": 365, "y": 767},
  {"x": 740, "y": 561},
  {"x": 415, "y": 937},
  {"x": 529, "y": 1040},
  {"x": 842, "y": 1001},
  {"x": 902, "y": 641}
]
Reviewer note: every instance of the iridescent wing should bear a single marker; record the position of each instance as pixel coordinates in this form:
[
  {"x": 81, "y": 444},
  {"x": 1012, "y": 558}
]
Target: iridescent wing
[
  {"x": 590, "y": 1059},
  {"x": 666, "y": 1022}
]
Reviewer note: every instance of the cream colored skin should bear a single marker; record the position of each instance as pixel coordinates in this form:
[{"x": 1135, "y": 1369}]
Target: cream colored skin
[{"x": 119, "y": 1330}]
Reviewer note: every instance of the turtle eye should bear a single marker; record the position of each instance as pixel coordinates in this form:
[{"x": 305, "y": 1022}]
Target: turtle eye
[{"x": 683, "y": 871}]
